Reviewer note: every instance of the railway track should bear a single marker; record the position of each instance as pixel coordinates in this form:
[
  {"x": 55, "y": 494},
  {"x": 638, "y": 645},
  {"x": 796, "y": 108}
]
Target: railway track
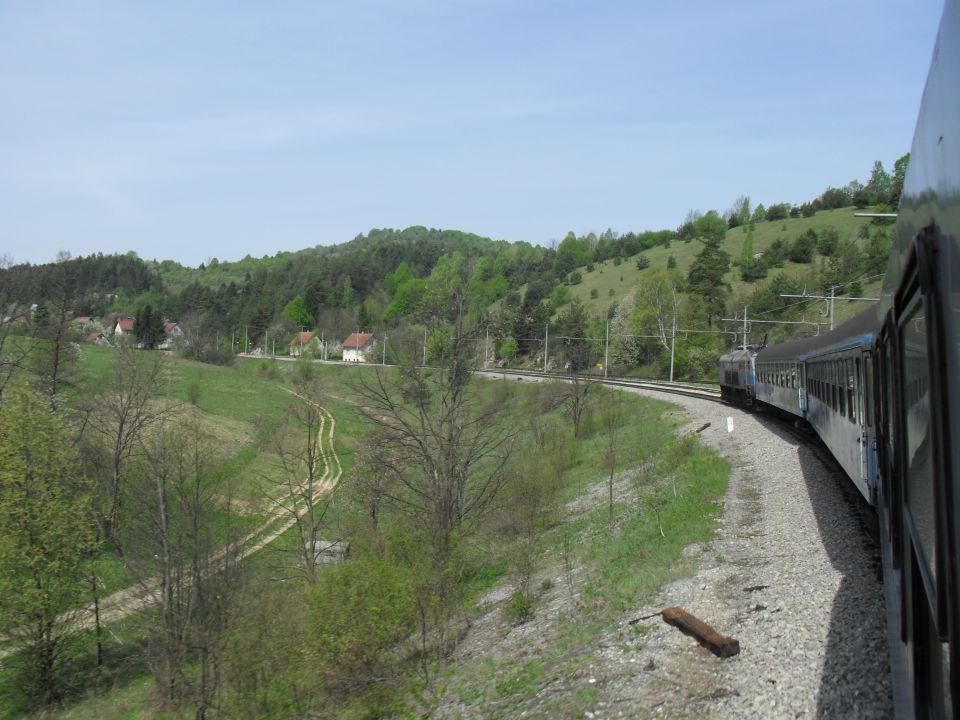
[{"x": 663, "y": 386}]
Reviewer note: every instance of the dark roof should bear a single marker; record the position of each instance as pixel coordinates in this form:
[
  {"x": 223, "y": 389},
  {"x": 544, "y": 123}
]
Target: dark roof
[{"x": 863, "y": 324}]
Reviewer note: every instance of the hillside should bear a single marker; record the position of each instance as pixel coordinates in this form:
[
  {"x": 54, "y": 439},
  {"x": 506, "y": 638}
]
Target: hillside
[{"x": 609, "y": 281}]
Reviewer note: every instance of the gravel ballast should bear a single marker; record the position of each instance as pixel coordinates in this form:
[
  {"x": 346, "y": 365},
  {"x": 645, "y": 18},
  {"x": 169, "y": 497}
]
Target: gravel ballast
[{"x": 792, "y": 574}]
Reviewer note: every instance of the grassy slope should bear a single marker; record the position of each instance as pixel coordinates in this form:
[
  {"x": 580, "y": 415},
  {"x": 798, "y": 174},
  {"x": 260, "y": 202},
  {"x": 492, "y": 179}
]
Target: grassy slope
[
  {"x": 621, "y": 279},
  {"x": 245, "y": 392}
]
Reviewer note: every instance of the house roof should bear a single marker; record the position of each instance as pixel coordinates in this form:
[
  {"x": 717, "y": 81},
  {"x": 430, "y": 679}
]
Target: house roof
[
  {"x": 82, "y": 319},
  {"x": 302, "y": 338},
  {"x": 126, "y": 324},
  {"x": 168, "y": 327},
  {"x": 357, "y": 341},
  {"x": 94, "y": 336}
]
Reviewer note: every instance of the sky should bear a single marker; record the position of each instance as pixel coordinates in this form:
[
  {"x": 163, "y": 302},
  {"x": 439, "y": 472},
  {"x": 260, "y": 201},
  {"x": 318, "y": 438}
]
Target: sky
[{"x": 192, "y": 130}]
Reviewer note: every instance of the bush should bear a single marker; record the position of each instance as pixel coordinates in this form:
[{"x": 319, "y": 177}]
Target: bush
[
  {"x": 617, "y": 260},
  {"x": 827, "y": 241},
  {"x": 361, "y": 608},
  {"x": 671, "y": 262},
  {"x": 643, "y": 262},
  {"x": 802, "y": 248},
  {"x": 752, "y": 270},
  {"x": 193, "y": 393},
  {"x": 519, "y": 608},
  {"x": 575, "y": 278},
  {"x": 594, "y": 293},
  {"x": 508, "y": 349}
]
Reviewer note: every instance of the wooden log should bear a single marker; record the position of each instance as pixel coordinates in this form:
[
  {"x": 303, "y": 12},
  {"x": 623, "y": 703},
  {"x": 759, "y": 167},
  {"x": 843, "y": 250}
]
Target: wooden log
[{"x": 719, "y": 645}]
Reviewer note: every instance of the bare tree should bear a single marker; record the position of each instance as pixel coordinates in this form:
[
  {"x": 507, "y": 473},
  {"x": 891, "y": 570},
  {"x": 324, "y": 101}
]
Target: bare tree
[
  {"x": 576, "y": 400},
  {"x": 612, "y": 422},
  {"x": 444, "y": 456},
  {"x": 54, "y": 359},
  {"x": 180, "y": 544},
  {"x": 119, "y": 416}
]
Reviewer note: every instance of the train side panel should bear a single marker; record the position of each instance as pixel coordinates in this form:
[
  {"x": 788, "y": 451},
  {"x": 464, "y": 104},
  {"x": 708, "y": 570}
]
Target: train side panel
[
  {"x": 838, "y": 411},
  {"x": 780, "y": 384}
]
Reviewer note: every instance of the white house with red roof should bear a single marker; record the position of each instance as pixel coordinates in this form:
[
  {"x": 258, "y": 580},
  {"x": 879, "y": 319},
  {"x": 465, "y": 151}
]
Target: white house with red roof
[
  {"x": 358, "y": 347},
  {"x": 172, "y": 335},
  {"x": 124, "y": 326},
  {"x": 304, "y": 342}
]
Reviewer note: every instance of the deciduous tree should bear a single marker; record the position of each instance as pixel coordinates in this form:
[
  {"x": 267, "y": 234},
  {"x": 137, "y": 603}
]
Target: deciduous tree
[{"x": 45, "y": 537}]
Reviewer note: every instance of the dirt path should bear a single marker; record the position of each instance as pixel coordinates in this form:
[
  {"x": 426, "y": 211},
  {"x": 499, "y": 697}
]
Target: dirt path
[{"x": 123, "y": 603}]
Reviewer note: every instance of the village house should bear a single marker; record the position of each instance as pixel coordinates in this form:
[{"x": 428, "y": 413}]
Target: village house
[
  {"x": 358, "y": 347},
  {"x": 305, "y": 342},
  {"x": 123, "y": 327},
  {"x": 97, "y": 338},
  {"x": 172, "y": 336}
]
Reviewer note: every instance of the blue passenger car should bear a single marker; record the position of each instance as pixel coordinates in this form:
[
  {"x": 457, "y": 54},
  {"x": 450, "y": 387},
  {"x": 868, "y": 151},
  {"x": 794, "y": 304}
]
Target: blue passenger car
[
  {"x": 838, "y": 372},
  {"x": 737, "y": 377}
]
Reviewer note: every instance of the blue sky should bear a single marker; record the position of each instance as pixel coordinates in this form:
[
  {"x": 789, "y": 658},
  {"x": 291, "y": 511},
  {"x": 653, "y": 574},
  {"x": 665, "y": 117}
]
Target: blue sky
[{"x": 192, "y": 130}]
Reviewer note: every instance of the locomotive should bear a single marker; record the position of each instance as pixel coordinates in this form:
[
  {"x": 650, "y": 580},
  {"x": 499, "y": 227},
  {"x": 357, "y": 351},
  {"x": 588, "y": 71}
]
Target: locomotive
[{"x": 882, "y": 392}]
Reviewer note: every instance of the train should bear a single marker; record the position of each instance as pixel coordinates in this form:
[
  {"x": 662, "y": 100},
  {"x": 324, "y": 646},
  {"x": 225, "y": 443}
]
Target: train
[{"x": 882, "y": 392}]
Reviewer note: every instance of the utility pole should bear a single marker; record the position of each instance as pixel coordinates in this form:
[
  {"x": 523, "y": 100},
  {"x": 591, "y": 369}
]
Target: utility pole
[
  {"x": 486, "y": 345},
  {"x": 831, "y": 298},
  {"x": 383, "y": 360},
  {"x": 606, "y": 350},
  {"x": 744, "y": 327},
  {"x": 424, "y": 346},
  {"x": 546, "y": 344},
  {"x": 832, "y": 293},
  {"x": 246, "y": 340}
]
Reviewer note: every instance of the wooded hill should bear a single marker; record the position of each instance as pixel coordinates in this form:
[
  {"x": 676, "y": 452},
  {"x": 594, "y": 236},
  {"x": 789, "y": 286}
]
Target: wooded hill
[{"x": 709, "y": 267}]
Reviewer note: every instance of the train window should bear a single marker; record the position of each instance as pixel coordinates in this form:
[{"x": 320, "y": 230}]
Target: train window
[
  {"x": 832, "y": 367},
  {"x": 918, "y": 434},
  {"x": 837, "y": 396},
  {"x": 851, "y": 403}
]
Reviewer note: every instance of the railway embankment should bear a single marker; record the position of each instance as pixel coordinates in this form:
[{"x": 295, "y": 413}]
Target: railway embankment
[{"x": 792, "y": 574}]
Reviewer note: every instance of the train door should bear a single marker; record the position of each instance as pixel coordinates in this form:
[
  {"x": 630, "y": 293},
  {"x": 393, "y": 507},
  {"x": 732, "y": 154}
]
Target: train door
[{"x": 868, "y": 456}]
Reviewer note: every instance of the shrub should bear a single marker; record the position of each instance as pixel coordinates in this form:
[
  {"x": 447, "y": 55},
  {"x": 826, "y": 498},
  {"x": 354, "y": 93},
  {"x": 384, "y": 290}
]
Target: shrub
[
  {"x": 508, "y": 349},
  {"x": 193, "y": 393},
  {"x": 802, "y": 248},
  {"x": 594, "y": 293},
  {"x": 519, "y": 608},
  {"x": 827, "y": 241},
  {"x": 575, "y": 278},
  {"x": 361, "y": 608}
]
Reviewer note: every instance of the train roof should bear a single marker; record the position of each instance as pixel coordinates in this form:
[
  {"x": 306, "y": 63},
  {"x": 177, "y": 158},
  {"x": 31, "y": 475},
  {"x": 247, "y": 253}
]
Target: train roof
[
  {"x": 737, "y": 355},
  {"x": 858, "y": 330}
]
